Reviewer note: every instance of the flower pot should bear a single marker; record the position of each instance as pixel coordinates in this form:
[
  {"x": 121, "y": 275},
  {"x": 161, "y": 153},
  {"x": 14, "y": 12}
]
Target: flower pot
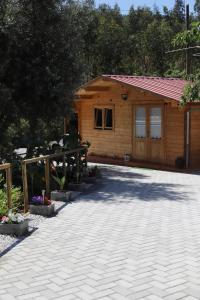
[
  {"x": 75, "y": 195},
  {"x": 42, "y": 210},
  {"x": 61, "y": 195},
  {"x": 127, "y": 157},
  {"x": 80, "y": 187},
  {"x": 15, "y": 229},
  {"x": 90, "y": 179}
]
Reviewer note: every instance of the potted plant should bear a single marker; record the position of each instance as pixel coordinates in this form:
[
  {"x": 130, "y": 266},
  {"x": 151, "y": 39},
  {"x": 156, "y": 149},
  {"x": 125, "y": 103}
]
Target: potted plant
[
  {"x": 77, "y": 183},
  {"x": 91, "y": 175},
  {"x": 127, "y": 157},
  {"x": 60, "y": 194},
  {"x": 41, "y": 205},
  {"x": 13, "y": 223}
]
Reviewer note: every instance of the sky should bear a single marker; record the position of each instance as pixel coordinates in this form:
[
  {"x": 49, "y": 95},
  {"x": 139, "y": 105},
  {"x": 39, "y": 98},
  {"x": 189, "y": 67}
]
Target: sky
[{"x": 125, "y": 4}]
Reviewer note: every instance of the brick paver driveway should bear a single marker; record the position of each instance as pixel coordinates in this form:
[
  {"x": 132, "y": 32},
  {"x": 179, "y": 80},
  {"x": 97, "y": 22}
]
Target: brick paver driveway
[{"x": 135, "y": 237}]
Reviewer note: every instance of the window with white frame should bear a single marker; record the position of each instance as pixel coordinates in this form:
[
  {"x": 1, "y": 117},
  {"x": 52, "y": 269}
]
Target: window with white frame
[{"x": 103, "y": 118}]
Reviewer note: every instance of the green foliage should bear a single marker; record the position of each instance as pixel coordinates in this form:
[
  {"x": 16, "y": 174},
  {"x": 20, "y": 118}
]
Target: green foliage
[
  {"x": 192, "y": 91},
  {"x": 183, "y": 39},
  {"x": 179, "y": 11},
  {"x": 41, "y": 65},
  {"x": 3, "y": 203},
  {"x": 72, "y": 139},
  {"x": 16, "y": 195},
  {"x": 36, "y": 178},
  {"x": 17, "y": 199},
  {"x": 48, "y": 48},
  {"x": 155, "y": 39},
  {"x": 60, "y": 181},
  {"x": 190, "y": 37},
  {"x": 197, "y": 8}
]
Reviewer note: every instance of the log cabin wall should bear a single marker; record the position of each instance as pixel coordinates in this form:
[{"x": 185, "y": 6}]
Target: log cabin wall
[
  {"x": 117, "y": 142},
  {"x": 195, "y": 137},
  {"x": 174, "y": 131},
  {"x": 111, "y": 143}
]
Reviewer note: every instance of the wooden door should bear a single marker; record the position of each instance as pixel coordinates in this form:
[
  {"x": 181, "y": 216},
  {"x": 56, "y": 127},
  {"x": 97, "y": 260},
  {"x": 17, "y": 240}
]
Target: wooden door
[
  {"x": 148, "y": 133},
  {"x": 140, "y": 132}
]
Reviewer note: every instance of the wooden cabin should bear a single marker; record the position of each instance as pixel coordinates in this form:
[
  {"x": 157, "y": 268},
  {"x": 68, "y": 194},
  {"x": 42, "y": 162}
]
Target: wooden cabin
[{"x": 139, "y": 117}]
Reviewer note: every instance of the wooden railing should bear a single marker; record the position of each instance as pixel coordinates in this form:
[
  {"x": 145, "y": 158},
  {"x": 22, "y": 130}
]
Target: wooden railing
[
  {"x": 7, "y": 168},
  {"x": 46, "y": 159}
]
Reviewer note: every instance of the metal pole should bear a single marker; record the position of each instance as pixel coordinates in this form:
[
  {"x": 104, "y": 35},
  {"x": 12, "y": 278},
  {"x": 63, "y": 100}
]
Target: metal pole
[
  {"x": 187, "y": 73},
  {"x": 187, "y": 51},
  {"x": 187, "y": 138}
]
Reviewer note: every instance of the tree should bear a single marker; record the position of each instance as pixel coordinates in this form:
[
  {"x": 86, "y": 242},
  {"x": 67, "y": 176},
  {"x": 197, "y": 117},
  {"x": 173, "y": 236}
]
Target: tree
[
  {"x": 192, "y": 37},
  {"x": 110, "y": 41},
  {"x": 139, "y": 19},
  {"x": 49, "y": 48},
  {"x": 7, "y": 104},
  {"x": 179, "y": 11},
  {"x": 41, "y": 61},
  {"x": 156, "y": 39},
  {"x": 197, "y": 8},
  {"x": 186, "y": 37}
]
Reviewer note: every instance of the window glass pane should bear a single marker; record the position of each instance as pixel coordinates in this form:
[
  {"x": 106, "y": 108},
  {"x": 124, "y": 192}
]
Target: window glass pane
[
  {"x": 98, "y": 118},
  {"x": 155, "y": 123},
  {"x": 108, "y": 118},
  {"x": 140, "y": 122}
]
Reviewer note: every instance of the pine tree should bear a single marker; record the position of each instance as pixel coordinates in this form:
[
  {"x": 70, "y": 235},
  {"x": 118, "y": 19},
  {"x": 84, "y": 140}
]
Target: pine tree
[
  {"x": 197, "y": 8},
  {"x": 179, "y": 11}
]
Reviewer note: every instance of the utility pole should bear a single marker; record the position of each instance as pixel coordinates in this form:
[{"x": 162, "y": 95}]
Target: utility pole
[
  {"x": 188, "y": 113},
  {"x": 187, "y": 51}
]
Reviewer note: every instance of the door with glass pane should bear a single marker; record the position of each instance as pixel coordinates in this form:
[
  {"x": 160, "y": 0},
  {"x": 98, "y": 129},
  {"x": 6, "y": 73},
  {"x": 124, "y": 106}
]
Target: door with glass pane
[
  {"x": 148, "y": 133},
  {"x": 140, "y": 133},
  {"x": 155, "y": 142}
]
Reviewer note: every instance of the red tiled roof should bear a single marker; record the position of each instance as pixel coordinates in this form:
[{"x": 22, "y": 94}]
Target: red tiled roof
[{"x": 168, "y": 87}]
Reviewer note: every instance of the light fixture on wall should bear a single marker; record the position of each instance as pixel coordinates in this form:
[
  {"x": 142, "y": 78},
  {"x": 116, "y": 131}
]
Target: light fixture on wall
[{"x": 124, "y": 96}]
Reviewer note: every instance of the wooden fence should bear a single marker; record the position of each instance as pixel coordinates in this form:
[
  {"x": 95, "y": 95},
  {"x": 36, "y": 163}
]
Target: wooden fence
[
  {"x": 46, "y": 159},
  {"x": 7, "y": 168}
]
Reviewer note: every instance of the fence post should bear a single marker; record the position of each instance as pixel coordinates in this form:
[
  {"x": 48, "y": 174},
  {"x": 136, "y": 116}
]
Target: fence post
[
  {"x": 9, "y": 186},
  {"x": 64, "y": 165},
  {"x": 47, "y": 176},
  {"x": 25, "y": 186}
]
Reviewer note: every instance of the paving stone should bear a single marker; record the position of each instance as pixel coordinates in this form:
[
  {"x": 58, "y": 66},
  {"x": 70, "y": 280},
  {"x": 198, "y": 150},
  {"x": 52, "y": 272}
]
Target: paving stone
[
  {"x": 134, "y": 237},
  {"x": 176, "y": 296},
  {"x": 116, "y": 296},
  {"x": 29, "y": 296},
  {"x": 153, "y": 297},
  {"x": 7, "y": 297},
  {"x": 190, "y": 298}
]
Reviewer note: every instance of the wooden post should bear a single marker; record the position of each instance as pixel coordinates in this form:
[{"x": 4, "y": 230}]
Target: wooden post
[
  {"x": 9, "y": 187},
  {"x": 47, "y": 158},
  {"x": 25, "y": 187},
  {"x": 47, "y": 176},
  {"x": 64, "y": 166}
]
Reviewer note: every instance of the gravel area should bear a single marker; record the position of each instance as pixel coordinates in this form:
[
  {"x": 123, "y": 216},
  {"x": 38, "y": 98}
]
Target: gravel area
[{"x": 7, "y": 241}]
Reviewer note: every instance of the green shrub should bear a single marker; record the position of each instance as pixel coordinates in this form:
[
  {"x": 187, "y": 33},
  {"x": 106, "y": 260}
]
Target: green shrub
[
  {"x": 3, "y": 203},
  {"x": 17, "y": 201}
]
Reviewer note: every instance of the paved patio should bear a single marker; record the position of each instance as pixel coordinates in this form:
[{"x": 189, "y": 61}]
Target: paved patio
[{"x": 137, "y": 236}]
